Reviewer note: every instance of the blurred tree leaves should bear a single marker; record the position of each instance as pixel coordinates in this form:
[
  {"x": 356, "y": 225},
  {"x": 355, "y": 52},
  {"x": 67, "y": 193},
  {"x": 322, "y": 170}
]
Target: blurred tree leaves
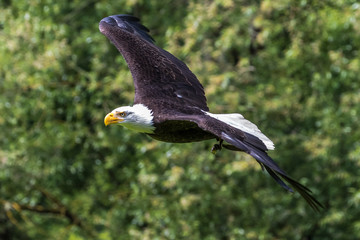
[{"x": 292, "y": 67}]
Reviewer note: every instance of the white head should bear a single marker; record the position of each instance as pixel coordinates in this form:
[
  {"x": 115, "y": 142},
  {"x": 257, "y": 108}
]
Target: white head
[{"x": 138, "y": 118}]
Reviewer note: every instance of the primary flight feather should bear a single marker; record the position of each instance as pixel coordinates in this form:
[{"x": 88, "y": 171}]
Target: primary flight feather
[{"x": 170, "y": 103}]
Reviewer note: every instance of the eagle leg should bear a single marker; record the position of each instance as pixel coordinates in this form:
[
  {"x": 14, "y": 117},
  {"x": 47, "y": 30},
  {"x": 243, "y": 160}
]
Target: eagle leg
[{"x": 216, "y": 146}]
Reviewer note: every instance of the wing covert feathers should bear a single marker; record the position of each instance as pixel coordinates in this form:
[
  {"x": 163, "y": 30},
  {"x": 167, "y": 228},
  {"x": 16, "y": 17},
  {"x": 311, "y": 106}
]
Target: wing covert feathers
[
  {"x": 159, "y": 77},
  {"x": 165, "y": 84}
]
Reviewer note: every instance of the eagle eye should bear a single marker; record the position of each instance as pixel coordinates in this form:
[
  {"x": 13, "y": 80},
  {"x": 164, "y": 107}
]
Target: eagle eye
[{"x": 122, "y": 114}]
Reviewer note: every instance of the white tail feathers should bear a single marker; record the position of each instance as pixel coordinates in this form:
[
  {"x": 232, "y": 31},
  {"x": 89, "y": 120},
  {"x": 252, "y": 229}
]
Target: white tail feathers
[{"x": 236, "y": 120}]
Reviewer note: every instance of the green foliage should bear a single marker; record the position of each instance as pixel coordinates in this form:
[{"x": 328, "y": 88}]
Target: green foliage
[{"x": 291, "y": 67}]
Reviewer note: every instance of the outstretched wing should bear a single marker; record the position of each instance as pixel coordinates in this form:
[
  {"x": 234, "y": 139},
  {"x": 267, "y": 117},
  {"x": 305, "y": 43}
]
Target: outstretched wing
[
  {"x": 158, "y": 75},
  {"x": 243, "y": 141},
  {"x": 271, "y": 167}
]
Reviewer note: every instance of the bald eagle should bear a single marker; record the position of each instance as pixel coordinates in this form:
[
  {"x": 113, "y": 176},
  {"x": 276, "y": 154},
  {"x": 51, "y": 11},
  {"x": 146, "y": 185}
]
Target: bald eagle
[{"x": 170, "y": 103}]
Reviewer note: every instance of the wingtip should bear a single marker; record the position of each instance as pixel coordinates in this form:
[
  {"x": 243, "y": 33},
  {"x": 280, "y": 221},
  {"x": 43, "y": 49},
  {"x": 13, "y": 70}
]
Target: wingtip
[
  {"x": 126, "y": 22},
  {"x": 306, "y": 193},
  {"x": 109, "y": 20}
]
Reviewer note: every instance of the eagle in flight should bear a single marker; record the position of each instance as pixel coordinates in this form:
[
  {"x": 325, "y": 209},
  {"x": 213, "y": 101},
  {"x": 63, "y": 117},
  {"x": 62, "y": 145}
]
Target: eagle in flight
[{"x": 170, "y": 103}]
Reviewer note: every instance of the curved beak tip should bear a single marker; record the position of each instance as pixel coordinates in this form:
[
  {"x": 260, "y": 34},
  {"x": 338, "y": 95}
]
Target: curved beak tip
[
  {"x": 111, "y": 119},
  {"x": 107, "y": 119}
]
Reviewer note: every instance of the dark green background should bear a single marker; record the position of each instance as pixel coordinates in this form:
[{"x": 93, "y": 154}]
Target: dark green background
[{"x": 292, "y": 67}]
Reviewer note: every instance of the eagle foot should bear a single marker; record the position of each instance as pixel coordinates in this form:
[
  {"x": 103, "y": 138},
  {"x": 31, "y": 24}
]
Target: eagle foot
[{"x": 217, "y": 147}]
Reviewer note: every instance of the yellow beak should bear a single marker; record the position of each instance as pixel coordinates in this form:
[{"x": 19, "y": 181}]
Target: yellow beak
[{"x": 111, "y": 119}]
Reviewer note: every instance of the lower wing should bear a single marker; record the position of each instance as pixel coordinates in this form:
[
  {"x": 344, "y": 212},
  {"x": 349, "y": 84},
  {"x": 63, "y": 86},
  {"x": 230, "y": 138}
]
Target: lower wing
[{"x": 245, "y": 136}]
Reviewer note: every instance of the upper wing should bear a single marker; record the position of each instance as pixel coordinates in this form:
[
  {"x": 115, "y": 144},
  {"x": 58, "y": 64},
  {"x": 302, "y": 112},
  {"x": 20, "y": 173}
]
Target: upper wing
[
  {"x": 158, "y": 75},
  {"x": 246, "y": 142}
]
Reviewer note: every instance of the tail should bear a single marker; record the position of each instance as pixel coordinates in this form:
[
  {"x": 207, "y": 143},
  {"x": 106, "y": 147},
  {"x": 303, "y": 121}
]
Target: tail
[
  {"x": 246, "y": 136},
  {"x": 237, "y": 121}
]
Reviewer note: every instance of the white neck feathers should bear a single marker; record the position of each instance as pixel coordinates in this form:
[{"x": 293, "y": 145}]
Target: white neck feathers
[{"x": 138, "y": 118}]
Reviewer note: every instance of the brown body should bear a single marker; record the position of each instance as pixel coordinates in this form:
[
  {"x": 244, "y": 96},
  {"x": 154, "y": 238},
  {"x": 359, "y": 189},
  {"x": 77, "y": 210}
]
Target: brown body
[{"x": 167, "y": 87}]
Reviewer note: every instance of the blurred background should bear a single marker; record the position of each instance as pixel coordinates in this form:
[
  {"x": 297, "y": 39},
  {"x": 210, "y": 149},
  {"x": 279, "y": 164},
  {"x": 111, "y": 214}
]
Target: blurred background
[{"x": 292, "y": 67}]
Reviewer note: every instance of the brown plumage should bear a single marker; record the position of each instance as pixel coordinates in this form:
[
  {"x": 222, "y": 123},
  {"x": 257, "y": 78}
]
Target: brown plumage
[{"x": 170, "y": 103}]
